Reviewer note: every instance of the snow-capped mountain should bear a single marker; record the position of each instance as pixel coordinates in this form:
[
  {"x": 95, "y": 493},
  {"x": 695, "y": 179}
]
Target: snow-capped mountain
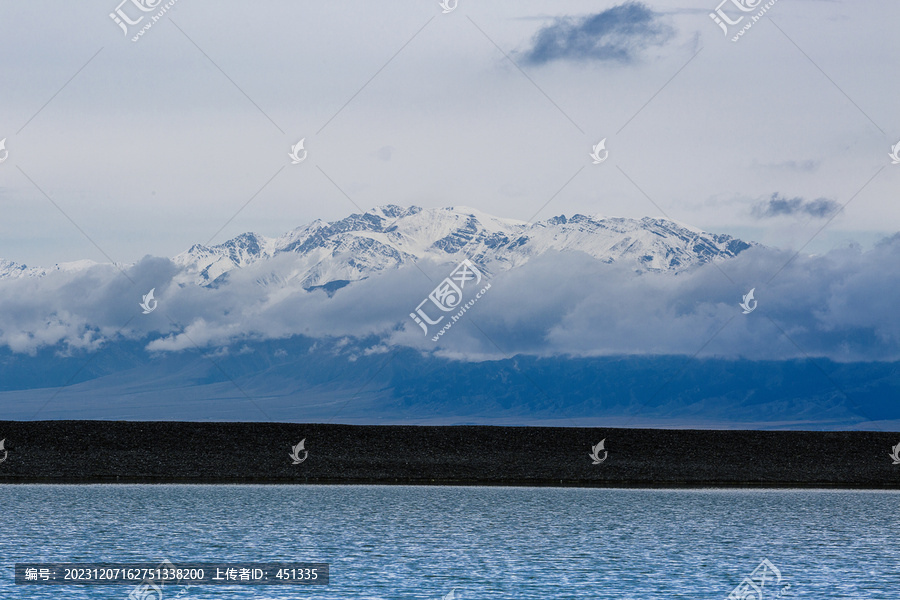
[
  {"x": 390, "y": 236},
  {"x": 387, "y": 237},
  {"x": 12, "y": 270}
]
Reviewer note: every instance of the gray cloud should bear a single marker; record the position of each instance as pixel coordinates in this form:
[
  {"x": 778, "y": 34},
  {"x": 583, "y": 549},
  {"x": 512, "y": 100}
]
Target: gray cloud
[
  {"x": 617, "y": 34},
  {"x": 778, "y": 205},
  {"x": 797, "y": 166},
  {"x": 838, "y": 305},
  {"x": 384, "y": 153}
]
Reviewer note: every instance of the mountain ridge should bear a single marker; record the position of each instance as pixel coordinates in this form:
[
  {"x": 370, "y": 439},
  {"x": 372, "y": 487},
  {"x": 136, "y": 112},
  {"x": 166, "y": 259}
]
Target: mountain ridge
[{"x": 390, "y": 236}]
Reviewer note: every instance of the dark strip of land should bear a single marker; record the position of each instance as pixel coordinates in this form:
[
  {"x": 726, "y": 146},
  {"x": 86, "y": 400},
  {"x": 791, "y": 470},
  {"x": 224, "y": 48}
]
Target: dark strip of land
[{"x": 180, "y": 452}]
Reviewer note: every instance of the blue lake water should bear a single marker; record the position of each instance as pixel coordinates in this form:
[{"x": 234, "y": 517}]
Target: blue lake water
[{"x": 486, "y": 542}]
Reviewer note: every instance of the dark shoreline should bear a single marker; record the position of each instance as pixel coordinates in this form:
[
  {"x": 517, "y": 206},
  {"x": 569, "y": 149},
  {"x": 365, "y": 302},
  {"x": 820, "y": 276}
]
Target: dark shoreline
[{"x": 256, "y": 453}]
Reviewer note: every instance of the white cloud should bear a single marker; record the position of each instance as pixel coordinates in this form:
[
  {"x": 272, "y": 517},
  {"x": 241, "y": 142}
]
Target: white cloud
[{"x": 839, "y": 305}]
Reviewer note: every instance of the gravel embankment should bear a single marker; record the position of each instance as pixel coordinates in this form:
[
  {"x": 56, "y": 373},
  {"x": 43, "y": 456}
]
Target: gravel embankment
[{"x": 179, "y": 452}]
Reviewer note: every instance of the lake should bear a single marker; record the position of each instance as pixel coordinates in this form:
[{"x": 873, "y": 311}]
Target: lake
[{"x": 485, "y": 542}]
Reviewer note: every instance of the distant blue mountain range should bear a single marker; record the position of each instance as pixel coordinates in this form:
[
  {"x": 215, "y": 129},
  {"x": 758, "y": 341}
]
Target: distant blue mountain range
[{"x": 309, "y": 380}]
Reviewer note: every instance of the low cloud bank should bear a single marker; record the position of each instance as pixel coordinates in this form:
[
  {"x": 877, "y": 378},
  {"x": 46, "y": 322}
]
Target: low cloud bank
[{"x": 840, "y": 305}]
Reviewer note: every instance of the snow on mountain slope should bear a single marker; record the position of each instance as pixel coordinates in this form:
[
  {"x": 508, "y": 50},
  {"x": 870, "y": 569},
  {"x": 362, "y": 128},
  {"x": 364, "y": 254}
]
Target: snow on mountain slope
[
  {"x": 12, "y": 270},
  {"x": 389, "y": 236},
  {"x": 650, "y": 244}
]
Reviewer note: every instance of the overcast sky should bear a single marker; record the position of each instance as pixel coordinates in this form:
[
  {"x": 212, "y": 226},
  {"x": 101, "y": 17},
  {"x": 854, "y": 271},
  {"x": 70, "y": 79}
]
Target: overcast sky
[{"x": 149, "y": 147}]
